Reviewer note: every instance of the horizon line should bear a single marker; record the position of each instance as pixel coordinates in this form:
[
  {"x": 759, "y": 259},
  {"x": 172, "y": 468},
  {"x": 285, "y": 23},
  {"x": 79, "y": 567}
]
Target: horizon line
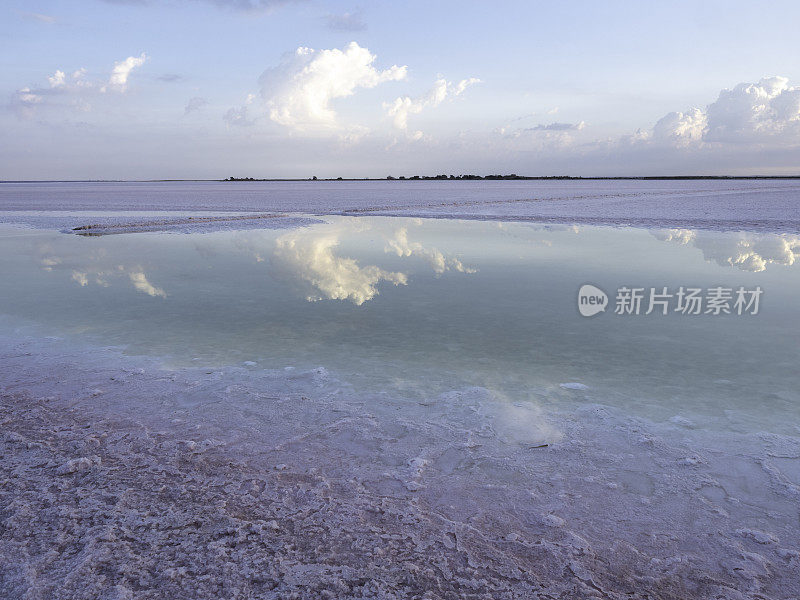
[{"x": 510, "y": 177}]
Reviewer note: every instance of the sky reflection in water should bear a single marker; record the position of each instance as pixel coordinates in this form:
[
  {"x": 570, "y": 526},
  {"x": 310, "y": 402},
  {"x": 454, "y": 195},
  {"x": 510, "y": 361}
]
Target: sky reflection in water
[{"x": 417, "y": 307}]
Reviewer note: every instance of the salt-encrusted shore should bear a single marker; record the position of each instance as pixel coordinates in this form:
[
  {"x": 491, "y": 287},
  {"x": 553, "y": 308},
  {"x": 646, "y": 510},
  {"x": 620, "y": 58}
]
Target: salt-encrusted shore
[
  {"x": 767, "y": 206},
  {"x": 120, "y": 479}
]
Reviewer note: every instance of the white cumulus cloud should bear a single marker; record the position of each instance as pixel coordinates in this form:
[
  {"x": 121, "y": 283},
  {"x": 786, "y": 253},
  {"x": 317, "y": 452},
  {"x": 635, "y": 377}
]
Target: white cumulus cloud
[
  {"x": 682, "y": 128},
  {"x": 299, "y": 92},
  {"x": 122, "y": 70},
  {"x": 58, "y": 79},
  {"x": 402, "y": 107},
  {"x": 765, "y": 111},
  {"x": 750, "y": 111}
]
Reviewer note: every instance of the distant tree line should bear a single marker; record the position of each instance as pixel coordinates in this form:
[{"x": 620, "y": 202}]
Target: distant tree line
[
  {"x": 514, "y": 176},
  {"x": 469, "y": 177},
  {"x": 412, "y": 178}
]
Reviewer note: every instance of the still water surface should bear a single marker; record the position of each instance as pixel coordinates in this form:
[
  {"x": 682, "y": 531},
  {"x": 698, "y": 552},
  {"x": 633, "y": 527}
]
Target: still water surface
[{"x": 416, "y": 307}]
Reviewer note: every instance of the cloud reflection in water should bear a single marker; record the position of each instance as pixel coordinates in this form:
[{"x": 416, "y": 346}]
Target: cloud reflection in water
[
  {"x": 309, "y": 254},
  {"x": 746, "y": 251}
]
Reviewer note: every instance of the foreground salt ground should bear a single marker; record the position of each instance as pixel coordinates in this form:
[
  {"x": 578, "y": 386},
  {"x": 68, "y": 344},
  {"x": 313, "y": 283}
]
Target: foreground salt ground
[{"x": 123, "y": 480}]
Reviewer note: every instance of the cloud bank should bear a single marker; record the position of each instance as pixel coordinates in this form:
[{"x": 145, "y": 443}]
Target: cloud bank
[
  {"x": 750, "y": 128},
  {"x": 767, "y": 111},
  {"x": 305, "y": 106}
]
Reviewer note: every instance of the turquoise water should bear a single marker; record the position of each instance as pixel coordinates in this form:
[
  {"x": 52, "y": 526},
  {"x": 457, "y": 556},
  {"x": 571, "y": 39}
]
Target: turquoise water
[{"x": 416, "y": 307}]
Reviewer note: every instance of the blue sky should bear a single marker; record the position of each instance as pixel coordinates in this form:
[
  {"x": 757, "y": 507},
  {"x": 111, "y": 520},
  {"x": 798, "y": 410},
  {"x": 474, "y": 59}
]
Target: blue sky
[{"x": 205, "y": 88}]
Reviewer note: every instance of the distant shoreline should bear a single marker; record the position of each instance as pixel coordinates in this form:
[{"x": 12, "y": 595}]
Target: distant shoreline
[{"x": 425, "y": 178}]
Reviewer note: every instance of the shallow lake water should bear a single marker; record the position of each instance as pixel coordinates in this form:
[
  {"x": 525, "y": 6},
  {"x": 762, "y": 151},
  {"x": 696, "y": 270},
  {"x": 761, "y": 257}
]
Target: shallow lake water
[{"x": 413, "y": 308}]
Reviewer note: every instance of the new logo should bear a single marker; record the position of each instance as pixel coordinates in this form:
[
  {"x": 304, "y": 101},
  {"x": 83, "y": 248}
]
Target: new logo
[{"x": 591, "y": 300}]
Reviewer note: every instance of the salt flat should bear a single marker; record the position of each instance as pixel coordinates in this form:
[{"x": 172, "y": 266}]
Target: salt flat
[
  {"x": 346, "y": 400},
  {"x": 764, "y": 205}
]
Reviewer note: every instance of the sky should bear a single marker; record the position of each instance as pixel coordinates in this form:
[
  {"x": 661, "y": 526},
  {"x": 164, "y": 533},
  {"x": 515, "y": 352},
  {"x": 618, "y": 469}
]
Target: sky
[{"x": 157, "y": 89}]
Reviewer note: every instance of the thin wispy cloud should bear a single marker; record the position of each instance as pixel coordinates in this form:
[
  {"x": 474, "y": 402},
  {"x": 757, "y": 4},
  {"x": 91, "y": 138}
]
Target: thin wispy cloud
[
  {"x": 240, "y": 5},
  {"x": 42, "y": 18},
  {"x": 237, "y": 117},
  {"x": 348, "y": 21},
  {"x": 195, "y": 104},
  {"x": 558, "y": 127},
  {"x": 170, "y": 77},
  {"x": 251, "y": 5}
]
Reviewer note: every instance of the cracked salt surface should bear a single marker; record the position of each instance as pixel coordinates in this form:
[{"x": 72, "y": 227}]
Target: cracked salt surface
[{"x": 124, "y": 480}]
